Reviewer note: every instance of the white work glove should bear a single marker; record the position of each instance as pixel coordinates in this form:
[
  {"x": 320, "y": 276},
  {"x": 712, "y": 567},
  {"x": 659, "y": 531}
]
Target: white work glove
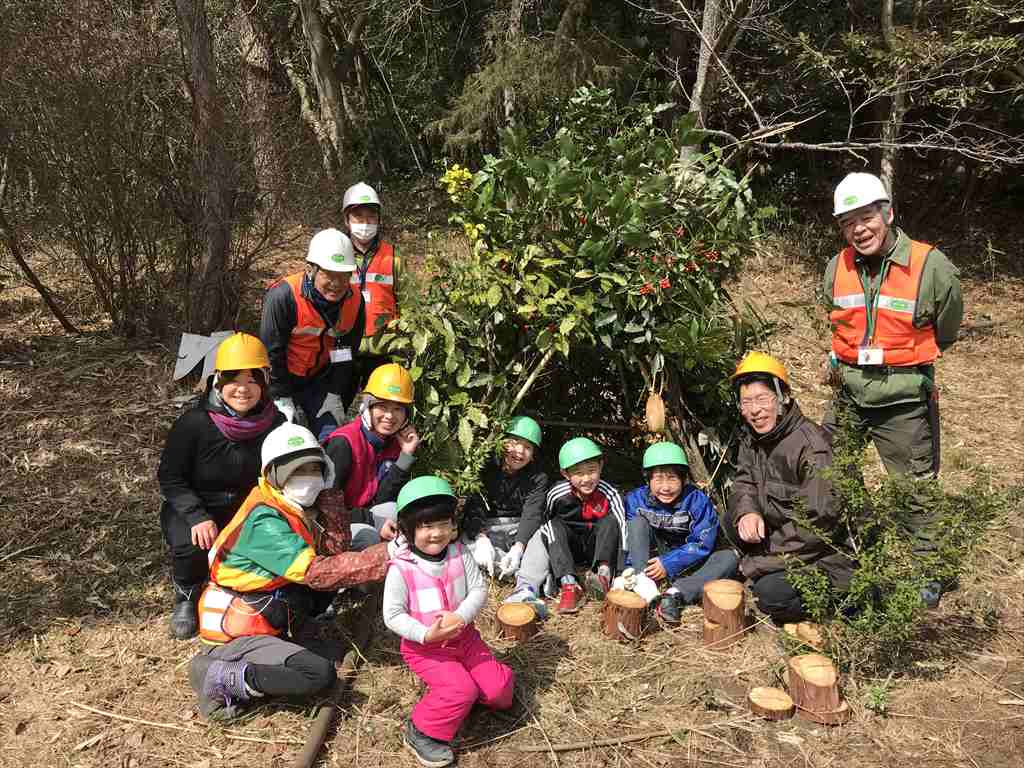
[
  {"x": 510, "y": 562},
  {"x": 484, "y": 554},
  {"x": 332, "y": 405},
  {"x": 640, "y": 583},
  {"x": 286, "y": 406}
]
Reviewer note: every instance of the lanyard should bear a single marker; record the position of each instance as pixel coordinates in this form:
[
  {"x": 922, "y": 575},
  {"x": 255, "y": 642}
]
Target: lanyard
[{"x": 872, "y": 300}]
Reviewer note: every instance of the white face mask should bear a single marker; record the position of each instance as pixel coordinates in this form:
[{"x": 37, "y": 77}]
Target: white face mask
[
  {"x": 303, "y": 489},
  {"x": 364, "y": 232}
]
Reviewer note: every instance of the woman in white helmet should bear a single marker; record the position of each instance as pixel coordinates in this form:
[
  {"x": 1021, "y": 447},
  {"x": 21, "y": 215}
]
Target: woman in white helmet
[{"x": 278, "y": 561}]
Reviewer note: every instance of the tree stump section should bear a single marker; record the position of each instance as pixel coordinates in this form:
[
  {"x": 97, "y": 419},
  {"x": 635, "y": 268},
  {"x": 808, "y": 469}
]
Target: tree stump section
[
  {"x": 724, "y": 613},
  {"x": 806, "y": 632},
  {"x": 771, "y": 703},
  {"x": 517, "y": 621},
  {"x": 814, "y": 686},
  {"x": 623, "y": 615}
]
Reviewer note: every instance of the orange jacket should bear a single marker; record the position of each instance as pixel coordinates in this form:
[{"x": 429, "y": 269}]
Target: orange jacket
[
  {"x": 378, "y": 284},
  {"x": 893, "y": 330},
  {"x": 307, "y": 352}
]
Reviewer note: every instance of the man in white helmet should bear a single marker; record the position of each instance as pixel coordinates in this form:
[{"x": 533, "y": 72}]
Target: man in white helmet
[
  {"x": 896, "y": 305},
  {"x": 312, "y": 322},
  {"x": 376, "y": 273}
]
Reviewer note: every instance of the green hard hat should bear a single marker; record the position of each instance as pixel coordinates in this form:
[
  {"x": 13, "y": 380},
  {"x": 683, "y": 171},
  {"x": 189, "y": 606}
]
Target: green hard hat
[
  {"x": 526, "y": 428},
  {"x": 665, "y": 454},
  {"x": 423, "y": 487},
  {"x": 576, "y": 450}
]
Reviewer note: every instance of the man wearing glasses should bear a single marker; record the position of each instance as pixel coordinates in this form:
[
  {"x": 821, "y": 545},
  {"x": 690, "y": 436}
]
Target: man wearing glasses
[
  {"x": 895, "y": 307},
  {"x": 780, "y": 506}
]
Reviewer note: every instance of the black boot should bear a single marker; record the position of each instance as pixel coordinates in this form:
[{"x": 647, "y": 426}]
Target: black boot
[{"x": 184, "y": 617}]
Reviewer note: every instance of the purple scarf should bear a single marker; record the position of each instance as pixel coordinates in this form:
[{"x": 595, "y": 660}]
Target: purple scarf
[{"x": 239, "y": 428}]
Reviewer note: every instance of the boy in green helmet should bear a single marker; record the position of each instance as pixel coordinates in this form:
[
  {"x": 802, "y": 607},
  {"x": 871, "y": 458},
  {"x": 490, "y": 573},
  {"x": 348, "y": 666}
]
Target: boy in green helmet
[
  {"x": 586, "y": 524},
  {"x": 500, "y": 521},
  {"x": 676, "y": 523}
]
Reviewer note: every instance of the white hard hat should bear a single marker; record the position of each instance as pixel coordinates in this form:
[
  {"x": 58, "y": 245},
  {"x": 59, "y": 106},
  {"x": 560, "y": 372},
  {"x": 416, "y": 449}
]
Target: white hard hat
[
  {"x": 858, "y": 190},
  {"x": 288, "y": 447},
  {"x": 359, "y": 194},
  {"x": 331, "y": 249}
]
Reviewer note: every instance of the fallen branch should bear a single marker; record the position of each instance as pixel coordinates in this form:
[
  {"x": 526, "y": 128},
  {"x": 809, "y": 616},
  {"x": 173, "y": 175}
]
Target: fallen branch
[
  {"x": 172, "y": 727},
  {"x": 575, "y": 746}
]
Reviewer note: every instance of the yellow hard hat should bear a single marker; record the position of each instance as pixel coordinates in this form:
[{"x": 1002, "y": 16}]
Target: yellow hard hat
[
  {"x": 241, "y": 352},
  {"x": 390, "y": 382},
  {"x": 759, "y": 362}
]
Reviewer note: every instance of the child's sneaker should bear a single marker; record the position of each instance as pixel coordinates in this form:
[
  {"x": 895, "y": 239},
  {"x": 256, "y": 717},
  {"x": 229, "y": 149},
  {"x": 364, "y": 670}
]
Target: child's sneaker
[
  {"x": 430, "y": 752},
  {"x": 220, "y": 686},
  {"x": 597, "y": 585},
  {"x": 670, "y": 608},
  {"x": 571, "y": 598}
]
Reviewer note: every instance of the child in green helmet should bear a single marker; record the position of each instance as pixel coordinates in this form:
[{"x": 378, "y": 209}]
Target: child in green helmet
[
  {"x": 432, "y": 594},
  {"x": 586, "y": 524},
  {"x": 671, "y": 531}
]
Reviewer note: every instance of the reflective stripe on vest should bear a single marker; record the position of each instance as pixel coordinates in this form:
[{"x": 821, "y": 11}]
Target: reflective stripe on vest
[
  {"x": 360, "y": 487},
  {"x": 430, "y": 596},
  {"x": 307, "y": 352},
  {"x": 379, "y": 284},
  {"x": 224, "y": 617},
  {"x": 894, "y": 331},
  {"x": 262, "y": 494}
]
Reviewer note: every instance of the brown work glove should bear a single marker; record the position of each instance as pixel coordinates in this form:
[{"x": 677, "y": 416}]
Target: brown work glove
[
  {"x": 335, "y": 534},
  {"x": 348, "y": 569}
]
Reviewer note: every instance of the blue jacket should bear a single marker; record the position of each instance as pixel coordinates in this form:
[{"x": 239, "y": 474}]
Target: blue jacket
[{"x": 690, "y": 526}]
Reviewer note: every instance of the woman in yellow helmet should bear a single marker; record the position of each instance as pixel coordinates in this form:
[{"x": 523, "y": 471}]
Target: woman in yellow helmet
[
  {"x": 778, "y": 486},
  {"x": 210, "y": 462},
  {"x": 373, "y": 454}
]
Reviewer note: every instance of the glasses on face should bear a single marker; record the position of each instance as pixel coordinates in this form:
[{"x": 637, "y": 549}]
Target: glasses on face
[
  {"x": 440, "y": 526},
  {"x": 748, "y": 404}
]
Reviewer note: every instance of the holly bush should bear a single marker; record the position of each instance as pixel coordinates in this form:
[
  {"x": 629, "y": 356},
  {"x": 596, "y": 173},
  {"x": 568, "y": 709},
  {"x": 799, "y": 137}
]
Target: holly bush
[{"x": 591, "y": 249}]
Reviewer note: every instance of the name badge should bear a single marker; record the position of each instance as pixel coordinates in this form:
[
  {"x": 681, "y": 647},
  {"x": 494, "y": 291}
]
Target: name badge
[
  {"x": 342, "y": 355},
  {"x": 870, "y": 356},
  {"x": 366, "y": 296}
]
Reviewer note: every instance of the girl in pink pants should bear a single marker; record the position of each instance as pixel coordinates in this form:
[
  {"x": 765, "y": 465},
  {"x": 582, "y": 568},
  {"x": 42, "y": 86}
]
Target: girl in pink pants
[{"x": 432, "y": 593}]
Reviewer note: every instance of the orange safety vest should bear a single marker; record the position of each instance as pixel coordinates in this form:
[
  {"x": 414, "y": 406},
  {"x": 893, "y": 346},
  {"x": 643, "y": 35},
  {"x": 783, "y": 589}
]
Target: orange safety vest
[
  {"x": 378, "y": 285},
  {"x": 894, "y": 331},
  {"x": 307, "y": 353},
  {"x": 225, "y": 614}
]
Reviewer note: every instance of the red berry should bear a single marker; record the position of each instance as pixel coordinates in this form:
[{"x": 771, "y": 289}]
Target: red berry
[{"x": 664, "y": 282}]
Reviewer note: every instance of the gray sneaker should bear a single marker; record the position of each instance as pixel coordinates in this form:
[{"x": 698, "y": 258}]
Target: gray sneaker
[
  {"x": 430, "y": 752},
  {"x": 220, "y": 686}
]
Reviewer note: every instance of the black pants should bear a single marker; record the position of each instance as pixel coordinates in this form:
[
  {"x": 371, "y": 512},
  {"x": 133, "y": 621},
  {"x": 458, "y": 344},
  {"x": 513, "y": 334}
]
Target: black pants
[
  {"x": 189, "y": 564},
  {"x": 570, "y": 545},
  {"x": 777, "y": 598},
  {"x": 303, "y": 674}
]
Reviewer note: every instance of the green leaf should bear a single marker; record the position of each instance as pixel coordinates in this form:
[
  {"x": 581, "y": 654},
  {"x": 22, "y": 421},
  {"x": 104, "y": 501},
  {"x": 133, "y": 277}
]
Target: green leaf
[
  {"x": 477, "y": 416},
  {"x": 465, "y": 435},
  {"x": 567, "y": 324},
  {"x": 419, "y": 342},
  {"x": 605, "y": 319},
  {"x": 494, "y": 295},
  {"x": 462, "y": 377}
]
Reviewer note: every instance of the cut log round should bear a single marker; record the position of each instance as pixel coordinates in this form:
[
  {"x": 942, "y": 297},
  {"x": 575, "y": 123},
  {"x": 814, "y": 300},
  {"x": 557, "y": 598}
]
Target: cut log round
[
  {"x": 771, "y": 703},
  {"x": 724, "y": 613},
  {"x": 623, "y": 615},
  {"x": 806, "y": 632},
  {"x": 517, "y": 621},
  {"x": 814, "y": 686}
]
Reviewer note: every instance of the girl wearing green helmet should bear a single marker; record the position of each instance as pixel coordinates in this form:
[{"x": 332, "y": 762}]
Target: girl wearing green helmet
[{"x": 432, "y": 594}]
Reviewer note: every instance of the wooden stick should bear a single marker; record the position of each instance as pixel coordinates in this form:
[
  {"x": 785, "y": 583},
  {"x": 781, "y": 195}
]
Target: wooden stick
[
  {"x": 575, "y": 746},
  {"x": 170, "y": 726},
  {"x": 325, "y": 715}
]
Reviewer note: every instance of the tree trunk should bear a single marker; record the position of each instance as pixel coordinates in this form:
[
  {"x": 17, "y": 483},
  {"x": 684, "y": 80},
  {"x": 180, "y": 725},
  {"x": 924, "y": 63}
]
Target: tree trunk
[
  {"x": 331, "y": 122},
  {"x": 513, "y": 36},
  {"x": 893, "y": 126},
  {"x": 258, "y": 67},
  {"x": 214, "y": 298}
]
